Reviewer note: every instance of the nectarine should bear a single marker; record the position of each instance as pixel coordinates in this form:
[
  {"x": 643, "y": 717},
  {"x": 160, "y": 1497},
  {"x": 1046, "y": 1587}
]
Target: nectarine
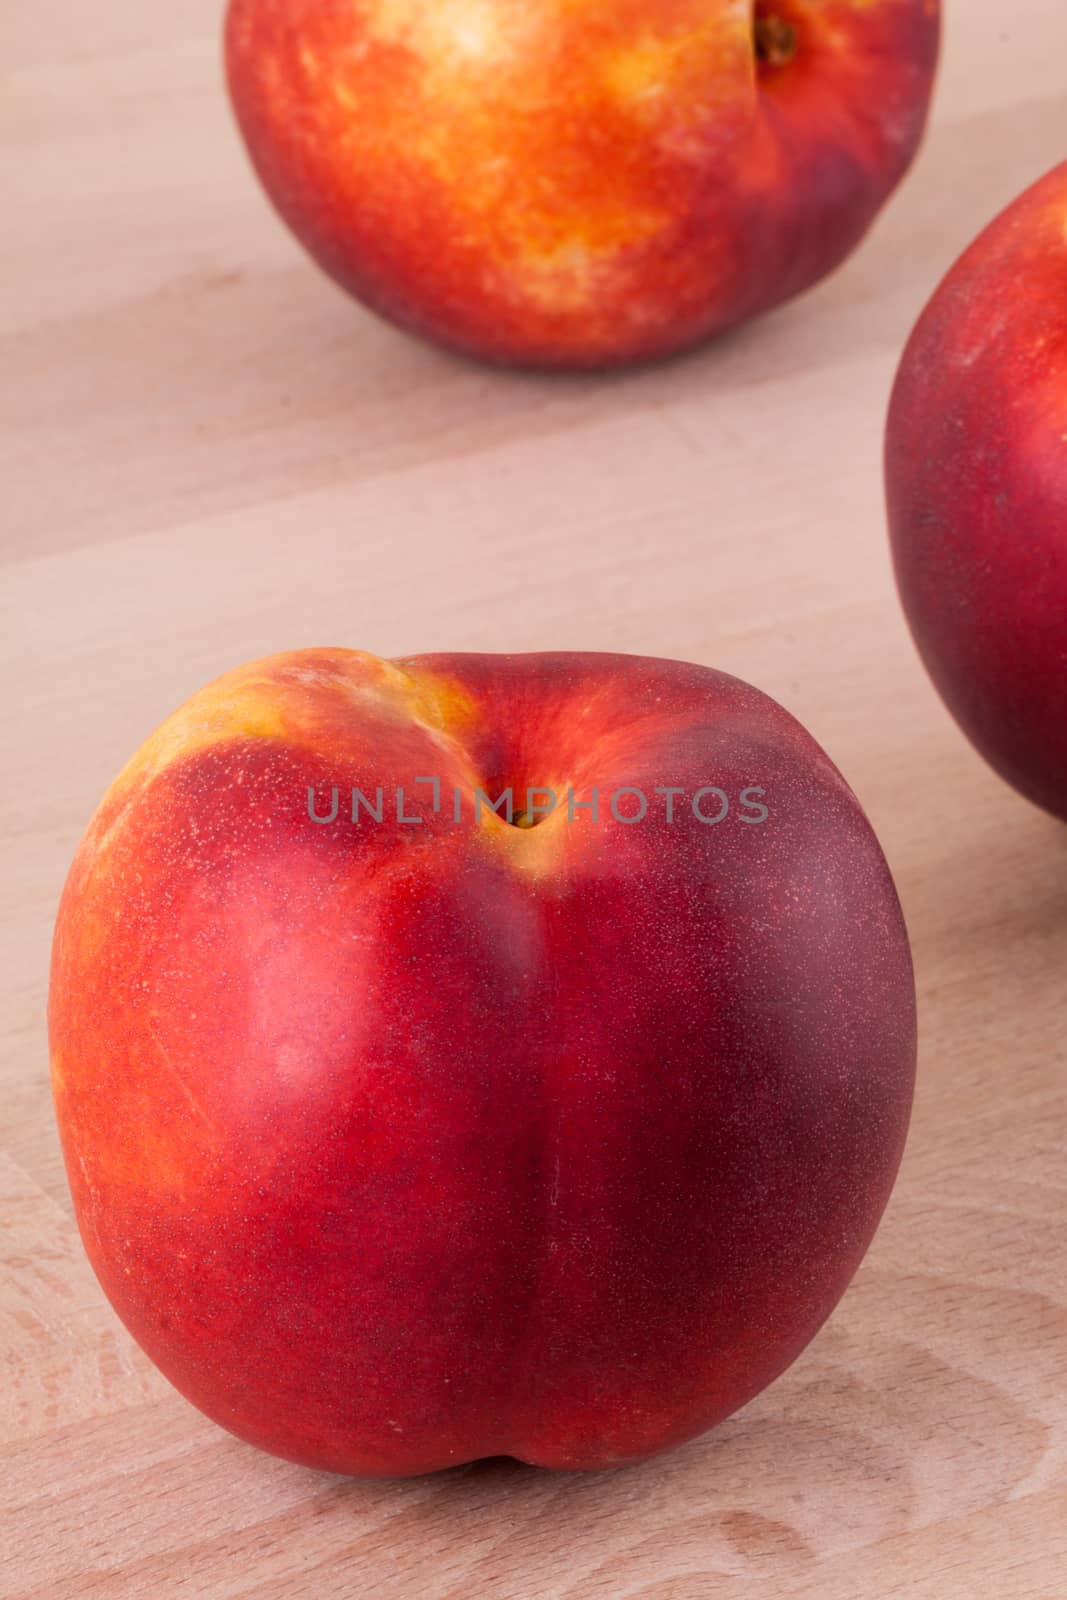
[
  {"x": 406, "y": 1140},
  {"x": 976, "y": 470},
  {"x": 578, "y": 183}
]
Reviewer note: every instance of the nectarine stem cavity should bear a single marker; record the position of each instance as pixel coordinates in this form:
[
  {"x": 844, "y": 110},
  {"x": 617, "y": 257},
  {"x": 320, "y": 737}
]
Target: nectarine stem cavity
[{"x": 776, "y": 39}]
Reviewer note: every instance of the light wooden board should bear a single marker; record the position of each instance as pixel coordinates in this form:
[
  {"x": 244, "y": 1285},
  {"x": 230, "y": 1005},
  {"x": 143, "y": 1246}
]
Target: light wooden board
[{"x": 210, "y": 455}]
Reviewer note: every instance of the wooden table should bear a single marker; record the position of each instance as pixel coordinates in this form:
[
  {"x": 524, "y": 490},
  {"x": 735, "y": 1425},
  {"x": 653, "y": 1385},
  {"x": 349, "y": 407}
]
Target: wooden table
[{"x": 211, "y": 455}]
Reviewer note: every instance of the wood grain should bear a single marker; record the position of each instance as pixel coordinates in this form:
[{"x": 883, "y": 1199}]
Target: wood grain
[{"x": 210, "y": 455}]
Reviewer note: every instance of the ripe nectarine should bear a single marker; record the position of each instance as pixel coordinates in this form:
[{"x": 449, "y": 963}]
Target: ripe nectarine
[
  {"x": 578, "y": 183},
  {"x": 400, "y": 1143},
  {"x": 976, "y": 471}
]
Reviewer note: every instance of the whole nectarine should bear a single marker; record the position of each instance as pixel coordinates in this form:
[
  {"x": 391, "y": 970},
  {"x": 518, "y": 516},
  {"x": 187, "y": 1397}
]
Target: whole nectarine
[
  {"x": 577, "y": 183},
  {"x": 402, "y": 1133},
  {"x": 976, "y": 470}
]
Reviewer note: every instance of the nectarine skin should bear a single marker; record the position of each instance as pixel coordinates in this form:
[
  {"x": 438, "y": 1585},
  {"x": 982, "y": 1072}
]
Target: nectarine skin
[
  {"x": 579, "y": 183},
  {"x": 976, "y": 473},
  {"x": 400, "y": 1145}
]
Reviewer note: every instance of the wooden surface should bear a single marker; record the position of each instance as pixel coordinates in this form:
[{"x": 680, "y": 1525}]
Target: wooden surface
[{"x": 210, "y": 455}]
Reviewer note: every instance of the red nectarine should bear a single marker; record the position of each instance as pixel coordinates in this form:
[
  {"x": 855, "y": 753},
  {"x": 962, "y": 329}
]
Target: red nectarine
[
  {"x": 406, "y": 1140},
  {"x": 976, "y": 470},
  {"x": 576, "y": 183}
]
